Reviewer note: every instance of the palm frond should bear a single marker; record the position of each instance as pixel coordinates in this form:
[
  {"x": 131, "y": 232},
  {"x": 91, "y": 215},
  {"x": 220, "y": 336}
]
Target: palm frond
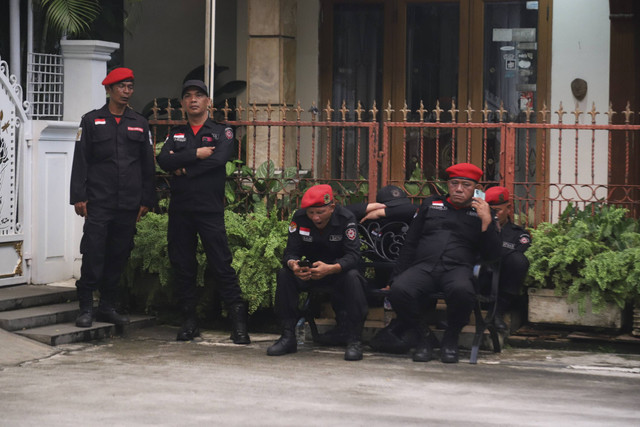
[{"x": 71, "y": 16}]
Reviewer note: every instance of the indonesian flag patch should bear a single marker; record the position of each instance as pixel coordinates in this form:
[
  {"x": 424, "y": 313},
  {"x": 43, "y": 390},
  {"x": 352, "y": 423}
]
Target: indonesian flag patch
[
  {"x": 100, "y": 122},
  {"x": 135, "y": 129},
  {"x": 437, "y": 203},
  {"x": 179, "y": 137},
  {"x": 293, "y": 227},
  {"x": 305, "y": 231}
]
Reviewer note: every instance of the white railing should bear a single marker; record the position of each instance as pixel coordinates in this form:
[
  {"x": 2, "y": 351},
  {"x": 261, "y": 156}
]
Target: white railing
[{"x": 45, "y": 85}]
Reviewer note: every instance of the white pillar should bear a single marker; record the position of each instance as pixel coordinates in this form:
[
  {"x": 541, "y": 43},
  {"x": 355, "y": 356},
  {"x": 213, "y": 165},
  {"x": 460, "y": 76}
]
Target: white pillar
[
  {"x": 85, "y": 66},
  {"x": 14, "y": 31}
]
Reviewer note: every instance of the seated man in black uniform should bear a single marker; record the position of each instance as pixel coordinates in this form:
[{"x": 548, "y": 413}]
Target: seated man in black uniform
[
  {"x": 442, "y": 245},
  {"x": 513, "y": 262},
  {"x": 325, "y": 236},
  {"x": 391, "y": 205}
]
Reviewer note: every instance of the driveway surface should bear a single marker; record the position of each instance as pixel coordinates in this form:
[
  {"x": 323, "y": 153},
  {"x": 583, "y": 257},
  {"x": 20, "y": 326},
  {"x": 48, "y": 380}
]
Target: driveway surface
[{"x": 147, "y": 378}]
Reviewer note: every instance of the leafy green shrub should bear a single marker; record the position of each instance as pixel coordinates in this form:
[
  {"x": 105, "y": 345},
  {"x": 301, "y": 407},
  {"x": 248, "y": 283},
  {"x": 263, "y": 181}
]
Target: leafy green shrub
[
  {"x": 257, "y": 243},
  {"x": 591, "y": 253}
]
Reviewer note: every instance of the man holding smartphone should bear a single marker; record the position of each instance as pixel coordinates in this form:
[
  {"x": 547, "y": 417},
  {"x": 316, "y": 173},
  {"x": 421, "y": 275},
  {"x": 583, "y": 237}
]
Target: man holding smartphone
[
  {"x": 443, "y": 243},
  {"x": 323, "y": 252},
  {"x": 196, "y": 155}
]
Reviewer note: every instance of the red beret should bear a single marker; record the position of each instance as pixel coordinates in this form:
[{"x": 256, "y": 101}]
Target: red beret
[
  {"x": 464, "y": 171},
  {"x": 497, "y": 195},
  {"x": 316, "y": 196},
  {"x": 117, "y": 75}
]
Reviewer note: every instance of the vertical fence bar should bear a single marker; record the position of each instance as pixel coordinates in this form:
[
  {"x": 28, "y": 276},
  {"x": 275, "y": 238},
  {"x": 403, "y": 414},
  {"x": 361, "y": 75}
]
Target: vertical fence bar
[{"x": 373, "y": 163}]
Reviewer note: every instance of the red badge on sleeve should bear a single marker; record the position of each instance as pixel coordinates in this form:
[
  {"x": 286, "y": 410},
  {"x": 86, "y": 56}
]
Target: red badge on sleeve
[{"x": 351, "y": 233}]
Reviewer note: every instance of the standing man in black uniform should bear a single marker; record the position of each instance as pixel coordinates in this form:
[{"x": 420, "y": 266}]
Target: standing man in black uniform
[
  {"x": 196, "y": 154},
  {"x": 442, "y": 245},
  {"x": 513, "y": 262},
  {"x": 112, "y": 187},
  {"x": 325, "y": 236}
]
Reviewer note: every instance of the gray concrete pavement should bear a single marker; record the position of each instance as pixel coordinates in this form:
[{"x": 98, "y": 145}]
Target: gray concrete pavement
[{"x": 149, "y": 379}]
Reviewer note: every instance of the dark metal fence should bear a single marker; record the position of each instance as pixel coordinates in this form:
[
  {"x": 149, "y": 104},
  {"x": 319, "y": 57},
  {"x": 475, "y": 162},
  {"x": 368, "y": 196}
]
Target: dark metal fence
[{"x": 546, "y": 163}]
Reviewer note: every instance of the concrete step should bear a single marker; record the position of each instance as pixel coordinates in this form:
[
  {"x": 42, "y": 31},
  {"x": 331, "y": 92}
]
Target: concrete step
[
  {"x": 33, "y": 317},
  {"x": 66, "y": 333},
  {"x": 23, "y": 296}
]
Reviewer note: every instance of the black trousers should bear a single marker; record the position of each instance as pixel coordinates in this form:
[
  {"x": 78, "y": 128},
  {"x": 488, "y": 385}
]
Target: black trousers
[
  {"x": 106, "y": 244},
  {"x": 346, "y": 288},
  {"x": 412, "y": 289},
  {"x": 513, "y": 270},
  {"x": 182, "y": 236}
]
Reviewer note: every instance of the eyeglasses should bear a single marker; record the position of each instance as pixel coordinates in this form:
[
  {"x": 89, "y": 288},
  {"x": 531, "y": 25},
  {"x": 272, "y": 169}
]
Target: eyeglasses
[{"x": 461, "y": 182}]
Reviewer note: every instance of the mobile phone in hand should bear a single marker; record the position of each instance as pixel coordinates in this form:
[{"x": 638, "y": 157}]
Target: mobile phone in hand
[
  {"x": 304, "y": 263},
  {"x": 478, "y": 193}
]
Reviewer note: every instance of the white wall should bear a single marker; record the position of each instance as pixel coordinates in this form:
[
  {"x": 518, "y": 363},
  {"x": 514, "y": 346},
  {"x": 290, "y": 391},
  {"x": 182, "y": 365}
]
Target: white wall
[{"x": 580, "y": 49}]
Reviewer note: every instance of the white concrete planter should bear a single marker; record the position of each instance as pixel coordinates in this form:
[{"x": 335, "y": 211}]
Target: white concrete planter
[{"x": 547, "y": 307}]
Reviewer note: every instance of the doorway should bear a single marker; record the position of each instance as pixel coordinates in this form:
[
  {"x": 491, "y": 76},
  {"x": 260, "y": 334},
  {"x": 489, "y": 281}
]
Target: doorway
[{"x": 429, "y": 51}]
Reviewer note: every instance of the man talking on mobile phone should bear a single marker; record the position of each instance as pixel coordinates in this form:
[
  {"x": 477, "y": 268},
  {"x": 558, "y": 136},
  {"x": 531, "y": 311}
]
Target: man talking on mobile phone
[
  {"x": 326, "y": 235},
  {"x": 446, "y": 237},
  {"x": 196, "y": 155}
]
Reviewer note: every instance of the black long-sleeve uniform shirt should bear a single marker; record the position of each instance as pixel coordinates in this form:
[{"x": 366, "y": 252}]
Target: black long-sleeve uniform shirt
[
  {"x": 201, "y": 189},
  {"x": 113, "y": 163},
  {"x": 442, "y": 234},
  {"x": 336, "y": 243},
  {"x": 514, "y": 239},
  {"x": 402, "y": 212}
]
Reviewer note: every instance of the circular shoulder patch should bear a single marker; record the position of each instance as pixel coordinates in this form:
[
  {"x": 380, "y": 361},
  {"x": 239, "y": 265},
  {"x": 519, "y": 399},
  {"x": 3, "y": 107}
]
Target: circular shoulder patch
[
  {"x": 293, "y": 227},
  {"x": 351, "y": 233},
  {"x": 524, "y": 239},
  {"x": 228, "y": 133}
]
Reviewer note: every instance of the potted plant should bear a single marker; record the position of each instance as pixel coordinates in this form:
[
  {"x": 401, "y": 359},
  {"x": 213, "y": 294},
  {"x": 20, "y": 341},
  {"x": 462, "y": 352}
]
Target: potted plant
[{"x": 591, "y": 257}]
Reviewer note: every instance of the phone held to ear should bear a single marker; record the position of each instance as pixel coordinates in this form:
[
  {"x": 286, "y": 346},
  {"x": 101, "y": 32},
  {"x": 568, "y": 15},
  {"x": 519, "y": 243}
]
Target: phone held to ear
[{"x": 478, "y": 193}]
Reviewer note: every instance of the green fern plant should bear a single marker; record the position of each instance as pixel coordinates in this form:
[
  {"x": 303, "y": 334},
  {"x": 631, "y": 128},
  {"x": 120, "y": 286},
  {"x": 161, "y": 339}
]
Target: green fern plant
[{"x": 592, "y": 253}]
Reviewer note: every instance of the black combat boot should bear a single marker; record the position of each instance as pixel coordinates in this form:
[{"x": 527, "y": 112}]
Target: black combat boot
[
  {"x": 287, "y": 343},
  {"x": 424, "y": 346},
  {"x": 239, "y": 314},
  {"x": 499, "y": 323},
  {"x": 354, "y": 346},
  {"x": 106, "y": 313},
  {"x": 504, "y": 303},
  {"x": 337, "y": 336},
  {"x": 189, "y": 329},
  {"x": 449, "y": 346},
  {"x": 85, "y": 300}
]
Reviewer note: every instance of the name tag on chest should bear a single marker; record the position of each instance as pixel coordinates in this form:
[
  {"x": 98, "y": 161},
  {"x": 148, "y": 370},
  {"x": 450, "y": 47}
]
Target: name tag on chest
[
  {"x": 335, "y": 237},
  {"x": 307, "y": 239}
]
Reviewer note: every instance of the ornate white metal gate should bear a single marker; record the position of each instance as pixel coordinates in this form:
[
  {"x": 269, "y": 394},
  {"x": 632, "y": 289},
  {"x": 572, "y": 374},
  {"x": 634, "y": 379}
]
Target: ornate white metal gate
[{"x": 14, "y": 126}]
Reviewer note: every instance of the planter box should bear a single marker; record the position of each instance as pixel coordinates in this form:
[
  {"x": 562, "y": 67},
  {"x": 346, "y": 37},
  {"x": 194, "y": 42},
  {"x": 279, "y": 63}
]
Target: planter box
[{"x": 547, "y": 307}]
